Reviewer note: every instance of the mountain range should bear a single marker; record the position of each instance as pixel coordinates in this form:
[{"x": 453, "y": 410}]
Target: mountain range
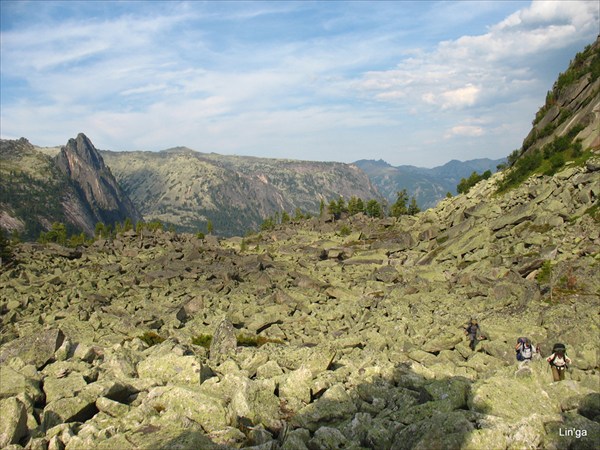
[
  {"x": 428, "y": 186},
  {"x": 192, "y": 191},
  {"x": 180, "y": 187}
]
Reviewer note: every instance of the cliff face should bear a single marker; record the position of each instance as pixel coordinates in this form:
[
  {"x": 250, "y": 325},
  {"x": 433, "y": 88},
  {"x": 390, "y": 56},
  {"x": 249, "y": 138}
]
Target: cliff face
[
  {"x": 572, "y": 106},
  {"x": 74, "y": 187},
  {"x": 93, "y": 181}
]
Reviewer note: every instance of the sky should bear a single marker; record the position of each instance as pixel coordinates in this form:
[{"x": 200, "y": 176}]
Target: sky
[{"x": 418, "y": 83}]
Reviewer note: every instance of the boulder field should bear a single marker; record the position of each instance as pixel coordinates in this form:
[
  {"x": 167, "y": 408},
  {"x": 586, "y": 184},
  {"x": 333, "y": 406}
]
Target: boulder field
[{"x": 320, "y": 334}]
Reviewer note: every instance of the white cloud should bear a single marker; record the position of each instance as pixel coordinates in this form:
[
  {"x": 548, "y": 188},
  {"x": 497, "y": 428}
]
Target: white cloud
[
  {"x": 465, "y": 130},
  {"x": 456, "y": 98},
  {"x": 464, "y": 71},
  {"x": 150, "y": 80}
]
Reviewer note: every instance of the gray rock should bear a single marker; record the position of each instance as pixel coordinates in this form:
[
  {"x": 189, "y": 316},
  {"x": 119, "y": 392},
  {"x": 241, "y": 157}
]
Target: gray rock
[
  {"x": 224, "y": 341},
  {"x": 13, "y": 425},
  {"x": 36, "y": 350}
]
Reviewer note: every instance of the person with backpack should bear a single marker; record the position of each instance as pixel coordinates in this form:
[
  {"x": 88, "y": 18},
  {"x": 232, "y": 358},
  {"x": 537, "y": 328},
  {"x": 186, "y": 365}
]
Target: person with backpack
[
  {"x": 473, "y": 332},
  {"x": 559, "y": 362},
  {"x": 525, "y": 349}
]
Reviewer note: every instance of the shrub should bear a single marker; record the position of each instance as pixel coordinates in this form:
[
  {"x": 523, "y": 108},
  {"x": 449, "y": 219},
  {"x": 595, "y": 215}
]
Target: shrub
[
  {"x": 203, "y": 340},
  {"x": 344, "y": 231},
  {"x": 151, "y": 338},
  {"x": 467, "y": 183},
  {"x": 545, "y": 273},
  {"x": 255, "y": 341}
]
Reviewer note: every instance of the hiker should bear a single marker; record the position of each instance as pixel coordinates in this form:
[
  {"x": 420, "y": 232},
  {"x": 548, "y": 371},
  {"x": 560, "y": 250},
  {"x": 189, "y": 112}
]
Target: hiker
[
  {"x": 472, "y": 330},
  {"x": 559, "y": 362},
  {"x": 525, "y": 349}
]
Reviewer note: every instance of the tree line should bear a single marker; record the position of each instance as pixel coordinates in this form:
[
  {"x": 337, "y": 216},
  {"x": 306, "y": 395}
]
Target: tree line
[{"x": 339, "y": 208}]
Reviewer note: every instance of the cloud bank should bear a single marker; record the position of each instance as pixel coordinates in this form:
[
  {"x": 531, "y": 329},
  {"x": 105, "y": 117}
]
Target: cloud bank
[{"x": 325, "y": 81}]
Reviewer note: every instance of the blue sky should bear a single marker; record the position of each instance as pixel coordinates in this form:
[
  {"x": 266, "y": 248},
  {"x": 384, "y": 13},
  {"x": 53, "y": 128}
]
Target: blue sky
[{"x": 416, "y": 83}]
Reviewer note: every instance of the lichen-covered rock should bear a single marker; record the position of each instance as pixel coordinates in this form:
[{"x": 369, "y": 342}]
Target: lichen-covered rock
[
  {"x": 171, "y": 368},
  {"x": 69, "y": 386},
  {"x": 512, "y": 399},
  {"x": 182, "y": 401},
  {"x": 13, "y": 383},
  {"x": 13, "y": 421},
  {"x": 36, "y": 350},
  {"x": 334, "y": 405},
  {"x": 70, "y": 409},
  {"x": 223, "y": 342}
]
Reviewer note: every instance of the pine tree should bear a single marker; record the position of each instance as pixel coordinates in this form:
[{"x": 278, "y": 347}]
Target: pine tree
[
  {"x": 399, "y": 208},
  {"x": 374, "y": 209},
  {"x": 413, "y": 208}
]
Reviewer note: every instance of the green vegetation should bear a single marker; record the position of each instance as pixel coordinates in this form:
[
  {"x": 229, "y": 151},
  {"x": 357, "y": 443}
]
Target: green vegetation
[
  {"x": 466, "y": 184},
  {"x": 33, "y": 198},
  {"x": 151, "y": 338},
  {"x": 337, "y": 207},
  {"x": 344, "y": 231},
  {"x": 57, "y": 234},
  {"x": 594, "y": 211},
  {"x": 400, "y": 208},
  {"x": 549, "y": 160},
  {"x": 577, "y": 69},
  {"x": 355, "y": 205},
  {"x": 271, "y": 222},
  {"x": 203, "y": 340},
  {"x": 374, "y": 209},
  {"x": 6, "y": 254},
  {"x": 545, "y": 273}
]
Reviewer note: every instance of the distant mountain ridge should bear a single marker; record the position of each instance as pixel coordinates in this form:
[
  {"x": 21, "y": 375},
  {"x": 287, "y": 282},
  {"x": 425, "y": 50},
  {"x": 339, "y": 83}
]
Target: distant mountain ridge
[
  {"x": 185, "y": 188},
  {"x": 428, "y": 186}
]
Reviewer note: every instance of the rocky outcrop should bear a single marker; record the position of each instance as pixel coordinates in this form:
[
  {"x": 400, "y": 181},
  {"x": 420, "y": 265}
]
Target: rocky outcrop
[
  {"x": 99, "y": 191},
  {"x": 74, "y": 188},
  {"x": 359, "y": 337},
  {"x": 573, "y": 102}
]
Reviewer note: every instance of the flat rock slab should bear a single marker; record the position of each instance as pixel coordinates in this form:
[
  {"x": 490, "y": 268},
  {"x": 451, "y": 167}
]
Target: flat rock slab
[{"x": 36, "y": 350}]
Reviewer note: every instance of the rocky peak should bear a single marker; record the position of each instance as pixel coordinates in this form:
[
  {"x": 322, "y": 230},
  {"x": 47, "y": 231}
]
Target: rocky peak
[
  {"x": 81, "y": 162},
  {"x": 79, "y": 154}
]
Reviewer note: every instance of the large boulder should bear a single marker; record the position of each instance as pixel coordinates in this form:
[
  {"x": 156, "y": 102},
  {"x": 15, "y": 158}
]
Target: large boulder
[
  {"x": 171, "y": 368},
  {"x": 13, "y": 383},
  {"x": 180, "y": 401},
  {"x": 13, "y": 421},
  {"x": 224, "y": 341},
  {"x": 36, "y": 350}
]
